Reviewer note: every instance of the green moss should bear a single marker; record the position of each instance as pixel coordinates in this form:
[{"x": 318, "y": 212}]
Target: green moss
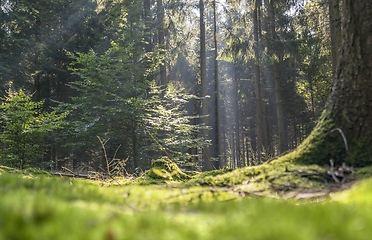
[
  {"x": 325, "y": 143},
  {"x": 213, "y": 173},
  {"x": 319, "y": 147},
  {"x": 207, "y": 206},
  {"x": 267, "y": 179},
  {"x": 34, "y": 171},
  {"x": 192, "y": 173},
  {"x": 10, "y": 170},
  {"x": 360, "y": 193},
  {"x": 29, "y": 171},
  {"x": 163, "y": 170},
  {"x": 360, "y": 153},
  {"x": 60, "y": 208},
  {"x": 130, "y": 196}
]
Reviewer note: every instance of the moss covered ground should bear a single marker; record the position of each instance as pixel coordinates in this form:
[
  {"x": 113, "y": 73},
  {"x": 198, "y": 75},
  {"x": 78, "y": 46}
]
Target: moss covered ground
[{"x": 271, "y": 201}]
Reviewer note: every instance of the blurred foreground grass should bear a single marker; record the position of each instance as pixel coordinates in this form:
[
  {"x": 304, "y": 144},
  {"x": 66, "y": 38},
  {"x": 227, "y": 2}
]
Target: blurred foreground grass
[{"x": 61, "y": 208}]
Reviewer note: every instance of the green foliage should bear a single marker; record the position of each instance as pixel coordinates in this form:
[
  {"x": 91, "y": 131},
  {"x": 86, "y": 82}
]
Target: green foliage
[
  {"x": 110, "y": 100},
  {"x": 24, "y": 125},
  {"x": 169, "y": 122},
  {"x": 116, "y": 101},
  {"x": 239, "y": 34},
  {"x": 34, "y": 35},
  {"x": 313, "y": 53}
]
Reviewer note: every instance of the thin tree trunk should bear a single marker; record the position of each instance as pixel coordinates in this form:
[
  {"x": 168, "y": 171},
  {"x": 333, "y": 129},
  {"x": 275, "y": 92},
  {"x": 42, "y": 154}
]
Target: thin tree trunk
[
  {"x": 147, "y": 19},
  {"x": 257, "y": 83},
  {"x": 204, "y": 84},
  {"x": 278, "y": 94},
  {"x": 252, "y": 147},
  {"x": 160, "y": 12},
  {"x": 134, "y": 145},
  {"x": 235, "y": 106},
  {"x": 233, "y": 147},
  {"x": 223, "y": 148},
  {"x": 217, "y": 90},
  {"x": 265, "y": 136}
]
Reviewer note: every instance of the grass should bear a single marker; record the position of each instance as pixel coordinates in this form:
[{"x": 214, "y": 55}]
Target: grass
[{"x": 43, "y": 207}]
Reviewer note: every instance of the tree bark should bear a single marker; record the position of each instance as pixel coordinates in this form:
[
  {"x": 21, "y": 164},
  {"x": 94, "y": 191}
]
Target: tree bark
[
  {"x": 335, "y": 30},
  {"x": 278, "y": 94},
  {"x": 350, "y": 104},
  {"x": 349, "y": 107},
  {"x": 265, "y": 129},
  {"x": 204, "y": 83},
  {"x": 217, "y": 91},
  {"x": 257, "y": 82},
  {"x": 147, "y": 19},
  {"x": 161, "y": 35},
  {"x": 235, "y": 107}
]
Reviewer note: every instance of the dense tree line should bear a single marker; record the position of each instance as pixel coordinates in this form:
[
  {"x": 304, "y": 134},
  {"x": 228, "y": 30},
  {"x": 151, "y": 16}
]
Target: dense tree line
[{"x": 217, "y": 83}]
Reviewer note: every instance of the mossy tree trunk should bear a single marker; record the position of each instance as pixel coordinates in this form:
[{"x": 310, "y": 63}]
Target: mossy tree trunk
[{"x": 349, "y": 107}]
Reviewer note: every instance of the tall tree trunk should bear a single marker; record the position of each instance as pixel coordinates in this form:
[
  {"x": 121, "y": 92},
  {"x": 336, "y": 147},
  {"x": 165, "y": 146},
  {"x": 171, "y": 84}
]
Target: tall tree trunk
[
  {"x": 349, "y": 107},
  {"x": 235, "y": 103},
  {"x": 147, "y": 16},
  {"x": 278, "y": 94},
  {"x": 147, "y": 19},
  {"x": 257, "y": 83},
  {"x": 204, "y": 83},
  {"x": 265, "y": 130},
  {"x": 217, "y": 90},
  {"x": 335, "y": 29},
  {"x": 161, "y": 35},
  {"x": 134, "y": 143},
  {"x": 233, "y": 147},
  {"x": 252, "y": 147},
  {"x": 223, "y": 143}
]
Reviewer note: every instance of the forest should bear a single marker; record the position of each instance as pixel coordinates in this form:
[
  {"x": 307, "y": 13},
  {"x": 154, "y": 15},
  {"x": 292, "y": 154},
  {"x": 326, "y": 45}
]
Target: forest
[
  {"x": 166, "y": 115},
  {"x": 246, "y": 81}
]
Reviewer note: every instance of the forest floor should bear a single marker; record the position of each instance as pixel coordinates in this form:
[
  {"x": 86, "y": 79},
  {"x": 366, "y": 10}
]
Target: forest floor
[{"x": 270, "y": 201}]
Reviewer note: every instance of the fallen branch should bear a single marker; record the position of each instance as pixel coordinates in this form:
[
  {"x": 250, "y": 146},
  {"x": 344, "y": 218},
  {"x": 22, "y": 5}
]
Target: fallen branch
[
  {"x": 87, "y": 176},
  {"x": 68, "y": 170}
]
